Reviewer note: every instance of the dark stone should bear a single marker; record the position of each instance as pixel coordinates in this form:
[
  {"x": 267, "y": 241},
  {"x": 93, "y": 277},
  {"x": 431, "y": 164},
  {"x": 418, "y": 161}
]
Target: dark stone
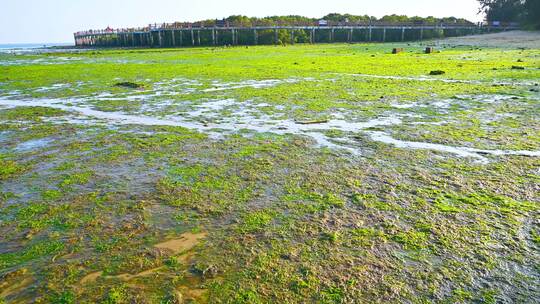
[
  {"x": 131, "y": 85},
  {"x": 437, "y": 72}
]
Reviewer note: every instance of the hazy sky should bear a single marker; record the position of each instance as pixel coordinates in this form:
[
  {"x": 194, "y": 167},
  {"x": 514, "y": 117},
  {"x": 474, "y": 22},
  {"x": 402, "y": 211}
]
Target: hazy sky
[{"x": 24, "y": 21}]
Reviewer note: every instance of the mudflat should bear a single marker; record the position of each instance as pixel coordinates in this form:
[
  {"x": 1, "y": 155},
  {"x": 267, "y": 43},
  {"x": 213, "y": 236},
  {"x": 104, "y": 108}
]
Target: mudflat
[{"x": 331, "y": 173}]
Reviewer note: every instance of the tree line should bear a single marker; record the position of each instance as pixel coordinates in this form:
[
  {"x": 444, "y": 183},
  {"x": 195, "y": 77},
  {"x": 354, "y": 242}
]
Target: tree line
[
  {"x": 526, "y": 12},
  {"x": 238, "y": 20}
]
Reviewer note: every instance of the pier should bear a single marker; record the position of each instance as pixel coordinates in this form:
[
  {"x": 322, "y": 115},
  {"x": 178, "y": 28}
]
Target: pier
[{"x": 182, "y": 35}]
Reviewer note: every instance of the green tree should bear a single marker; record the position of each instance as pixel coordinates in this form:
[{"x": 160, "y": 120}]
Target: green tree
[
  {"x": 525, "y": 11},
  {"x": 532, "y": 13}
]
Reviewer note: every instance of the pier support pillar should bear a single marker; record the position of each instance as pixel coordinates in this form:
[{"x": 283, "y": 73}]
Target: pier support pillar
[
  {"x": 403, "y": 34},
  {"x": 421, "y": 33},
  {"x": 213, "y": 36},
  {"x": 384, "y": 35},
  {"x": 292, "y": 36},
  {"x": 276, "y": 38},
  {"x": 255, "y": 37},
  {"x": 312, "y": 36},
  {"x": 199, "y": 37},
  {"x": 192, "y": 38},
  {"x": 173, "y": 38},
  {"x": 369, "y": 33}
]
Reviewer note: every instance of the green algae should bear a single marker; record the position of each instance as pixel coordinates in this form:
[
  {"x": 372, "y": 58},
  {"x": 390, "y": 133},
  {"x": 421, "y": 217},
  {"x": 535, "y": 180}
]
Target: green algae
[{"x": 286, "y": 220}]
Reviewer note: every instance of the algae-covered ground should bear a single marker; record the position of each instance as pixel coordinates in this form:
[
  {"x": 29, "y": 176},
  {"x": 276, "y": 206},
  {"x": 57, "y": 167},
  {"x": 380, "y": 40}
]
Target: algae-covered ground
[{"x": 299, "y": 174}]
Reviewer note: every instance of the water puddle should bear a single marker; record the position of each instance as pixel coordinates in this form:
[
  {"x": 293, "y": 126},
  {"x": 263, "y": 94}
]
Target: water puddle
[
  {"x": 404, "y": 105},
  {"x": 445, "y": 80},
  {"x": 256, "y": 84},
  {"x": 7, "y": 290},
  {"x": 32, "y": 145},
  {"x": 128, "y": 277},
  {"x": 249, "y": 119},
  {"x": 91, "y": 278},
  {"x": 212, "y": 108},
  {"x": 186, "y": 242},
  {"x": 57, "y": 86},
  {"x": 242, "y": 121},
  {"x": 94, "y": 276},
  {"x": 40, "y": 61},
  {"x": 459, "y": 151},
  {"x": 180, "y": 246}
]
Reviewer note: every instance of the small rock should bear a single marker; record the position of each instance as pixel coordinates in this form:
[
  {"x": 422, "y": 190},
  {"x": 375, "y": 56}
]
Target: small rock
[
  {"x": 437, "y": 72},
  {"x": 311, "y": 122},
  {"x": 517, "y": 67},
  {"x": 127, "y": 84}
]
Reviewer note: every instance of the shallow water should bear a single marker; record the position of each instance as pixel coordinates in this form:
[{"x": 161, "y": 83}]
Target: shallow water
[
  {"x": 442, "y": 79},
  {"x": 257, "y": 84},
  {"x": 244, "y": 119},
  {"x": 33, "y": 144},
  {"x": 459, "y": 151}
]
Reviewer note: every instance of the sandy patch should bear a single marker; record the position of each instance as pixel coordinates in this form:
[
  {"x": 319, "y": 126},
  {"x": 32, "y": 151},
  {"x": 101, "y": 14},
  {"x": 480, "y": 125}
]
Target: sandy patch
[
  {"x": 186, "y": 242},
  {"x": 510, "y": 39}
]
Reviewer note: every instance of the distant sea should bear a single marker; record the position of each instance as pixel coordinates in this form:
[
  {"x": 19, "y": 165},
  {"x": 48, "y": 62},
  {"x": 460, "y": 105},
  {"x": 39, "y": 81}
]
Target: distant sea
[
  {"x": 31, "y": 45},
  {"x": 22, "y": 47}
]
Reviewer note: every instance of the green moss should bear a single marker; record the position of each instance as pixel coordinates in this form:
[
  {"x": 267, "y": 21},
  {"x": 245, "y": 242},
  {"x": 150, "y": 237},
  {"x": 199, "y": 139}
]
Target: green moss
[
  {"x": 66, "y": 297},
  {"x": 331, "y": 236},
  {"x": 33, "y": 252},
  {"x": 332, "y": 295},
  {"x": 412, "y": 239},
  {"x": 368, "y": 236},
  {"x": 535, "y": 237},
  {"x": 256, "y": 221},
  {"x": 286, "y": 221},
  {"x": 79, "y": 178},
  {"x": 9, "y": 168},
  {"x": 247, "y": 296},
  {"x": 29, "y": 113},
  {"x": 311, "y": 202},
  {"x": 51, "y": 195},
  {"x": 116, "y": 295}
]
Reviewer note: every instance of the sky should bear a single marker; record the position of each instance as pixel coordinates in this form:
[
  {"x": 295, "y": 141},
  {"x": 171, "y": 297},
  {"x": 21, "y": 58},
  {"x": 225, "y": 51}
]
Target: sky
[{"x": 55, "y": 21}]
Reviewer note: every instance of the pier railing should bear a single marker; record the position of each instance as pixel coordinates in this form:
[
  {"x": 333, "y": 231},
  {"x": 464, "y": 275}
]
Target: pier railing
[{"x": 193, "y": 34}]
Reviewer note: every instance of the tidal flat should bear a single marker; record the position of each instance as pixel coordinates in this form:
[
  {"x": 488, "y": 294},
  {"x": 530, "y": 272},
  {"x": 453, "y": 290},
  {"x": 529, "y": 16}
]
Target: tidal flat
[{"x": 333, "y": 173}]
